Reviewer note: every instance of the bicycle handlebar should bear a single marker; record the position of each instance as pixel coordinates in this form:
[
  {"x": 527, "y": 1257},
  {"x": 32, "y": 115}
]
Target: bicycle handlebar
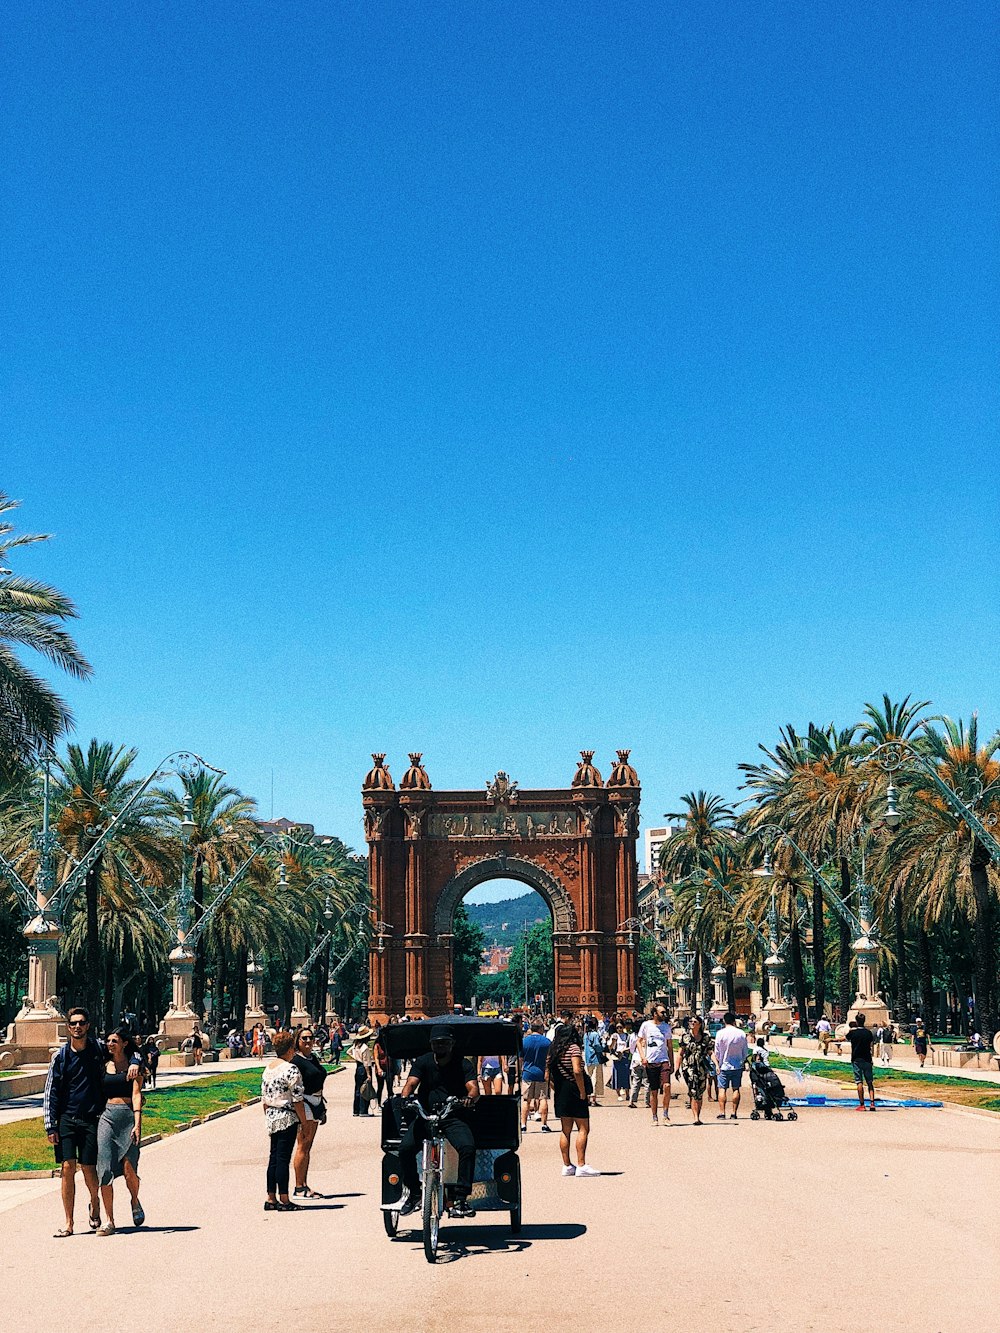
[{"x": 445, "y": 1110}]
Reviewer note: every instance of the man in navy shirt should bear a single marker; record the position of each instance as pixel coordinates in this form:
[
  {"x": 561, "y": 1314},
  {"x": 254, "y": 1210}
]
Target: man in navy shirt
[
  {"x": 74, "y": 1100},
  {"x": 534, "y": 1089}
]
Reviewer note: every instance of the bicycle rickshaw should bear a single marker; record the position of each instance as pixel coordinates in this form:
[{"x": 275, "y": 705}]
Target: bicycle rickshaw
[{"x": 495, "y": 1123}]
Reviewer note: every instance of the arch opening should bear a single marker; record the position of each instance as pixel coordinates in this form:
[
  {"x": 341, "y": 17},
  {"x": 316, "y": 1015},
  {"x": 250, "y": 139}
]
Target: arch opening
[{"x": 559, "y": 903}]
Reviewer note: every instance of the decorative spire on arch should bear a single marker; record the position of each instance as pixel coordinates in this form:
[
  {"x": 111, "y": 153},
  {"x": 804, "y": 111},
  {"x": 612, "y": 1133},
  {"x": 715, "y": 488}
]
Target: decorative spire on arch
[
  {"x": 379, "y": 778},
  {"x": 586, "y": 774},
  {"x": 415, "y": 778},
  {"x": 623, "y": 774}
]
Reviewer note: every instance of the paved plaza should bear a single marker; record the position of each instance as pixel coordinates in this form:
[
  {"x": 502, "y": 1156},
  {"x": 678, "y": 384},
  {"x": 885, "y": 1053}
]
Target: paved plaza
[{"x": 841, "y": 1223}]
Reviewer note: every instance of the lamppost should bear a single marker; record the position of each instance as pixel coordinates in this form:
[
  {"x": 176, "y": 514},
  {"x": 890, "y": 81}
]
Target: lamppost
[
  {"x": 300, "y": 1011},
  {"x": 176, "y": 1023},
  {"x": 679, "y": 960},
  {"x": 864, "y": 948},
  {"x": 39, "y": 1027}
]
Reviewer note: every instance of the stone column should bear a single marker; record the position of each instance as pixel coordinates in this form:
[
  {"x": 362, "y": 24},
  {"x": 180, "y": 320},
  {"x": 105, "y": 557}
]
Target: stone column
[
  {"x": 180, "y": 1017},
  {"x": 379, "y": 963},
  {"x": 416, "y": 939},
  {"x": 683, "y": 983},
  {"x": 39, "y": 1028},
  {"x": 868, "y": 1000},
  {"x": 255, "y": 994},
  {"x": 777, "y": 1011},
  {"x": 589, "y": 944},
  {"x": 300, "y": 1008},
  {"x": 626, "y": 815},
  {"x": 719, "y": 1004}
]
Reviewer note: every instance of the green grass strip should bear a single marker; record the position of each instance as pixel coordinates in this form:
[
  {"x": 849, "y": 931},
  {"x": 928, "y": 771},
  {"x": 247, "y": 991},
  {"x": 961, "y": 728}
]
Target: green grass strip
[
  {"x": 24, "y": 1147},
  {"x": 822, "y": 1068}
]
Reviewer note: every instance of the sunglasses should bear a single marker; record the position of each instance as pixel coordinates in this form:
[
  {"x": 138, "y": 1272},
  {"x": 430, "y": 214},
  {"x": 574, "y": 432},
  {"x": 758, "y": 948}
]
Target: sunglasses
[
  {"x": 77, "y": 1023},
  {"x": 305, "y": 1039}
]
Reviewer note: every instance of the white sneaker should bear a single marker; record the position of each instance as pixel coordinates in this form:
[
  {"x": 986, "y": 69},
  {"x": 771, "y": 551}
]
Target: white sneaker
[
  {"x": 587, "y": 1171},
  {"x": 570, "y": 1170}
]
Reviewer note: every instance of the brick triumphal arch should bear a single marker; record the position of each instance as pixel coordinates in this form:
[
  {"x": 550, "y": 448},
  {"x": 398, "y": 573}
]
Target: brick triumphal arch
[{"x": 575, "y": 846}]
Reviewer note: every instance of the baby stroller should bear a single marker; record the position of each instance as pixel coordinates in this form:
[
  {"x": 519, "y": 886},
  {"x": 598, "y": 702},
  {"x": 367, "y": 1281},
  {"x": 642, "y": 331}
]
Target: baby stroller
[{"x": 768, "y": 1093}]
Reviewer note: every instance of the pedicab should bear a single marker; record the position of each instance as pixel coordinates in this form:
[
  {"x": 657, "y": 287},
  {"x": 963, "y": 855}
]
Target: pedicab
[{"x": 495, "y": 1123}]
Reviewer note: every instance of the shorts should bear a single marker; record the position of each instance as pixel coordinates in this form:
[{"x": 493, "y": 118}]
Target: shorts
[
  {"x": 654, "y": 1076},
  {"x": 535, "y": 1091},
  {"x": 77, "y": 1140},
  {"x": 863, "y": 1072},
  {"x": 730, "y": 1078},
  {"x": 919, "y": 1047}
]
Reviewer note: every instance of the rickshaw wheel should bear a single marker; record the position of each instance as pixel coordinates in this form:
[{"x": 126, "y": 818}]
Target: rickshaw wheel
[
  {"x": 432, "y": 1220},
  {"x": 391, "y": 1223},
  {"x": 515, "y": 1221}
]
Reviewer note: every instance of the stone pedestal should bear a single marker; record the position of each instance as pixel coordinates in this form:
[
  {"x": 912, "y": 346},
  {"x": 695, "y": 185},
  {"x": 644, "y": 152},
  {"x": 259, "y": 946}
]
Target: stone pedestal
[
  {"x": 255, "y": 996},
  {"x": 868, "y": 1001},
  {"x": 180, "y": 1018},
  {"x": 777, "y": 1011},
  {"x": 683, "y": 1007},
  {"x": 719, "y": 1005},
  {"x": 300, "y": 1011},
  {"x": 39, "y": 1029}
]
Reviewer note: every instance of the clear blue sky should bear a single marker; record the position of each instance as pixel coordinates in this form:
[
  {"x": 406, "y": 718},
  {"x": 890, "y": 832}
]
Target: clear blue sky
[{"x": 497, "y": 380}]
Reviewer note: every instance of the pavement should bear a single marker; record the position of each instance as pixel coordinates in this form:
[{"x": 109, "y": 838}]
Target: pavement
[{"x": 839, "y": 1223}]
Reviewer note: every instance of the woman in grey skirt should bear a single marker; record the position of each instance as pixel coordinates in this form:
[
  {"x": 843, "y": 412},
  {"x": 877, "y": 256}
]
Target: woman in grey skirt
[{"x": 119, "y": 1129}]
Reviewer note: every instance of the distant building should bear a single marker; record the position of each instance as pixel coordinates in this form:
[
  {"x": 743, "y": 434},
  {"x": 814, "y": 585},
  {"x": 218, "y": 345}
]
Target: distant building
[
  {"x": 654, "y": 839},
  {"x": 293, "y": 827},
  {"x": 495, "y": 960}
]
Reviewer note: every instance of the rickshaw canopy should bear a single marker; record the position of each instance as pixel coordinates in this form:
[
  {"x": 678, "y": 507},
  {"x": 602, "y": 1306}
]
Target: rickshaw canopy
[{"x": 473, "y": 1036}]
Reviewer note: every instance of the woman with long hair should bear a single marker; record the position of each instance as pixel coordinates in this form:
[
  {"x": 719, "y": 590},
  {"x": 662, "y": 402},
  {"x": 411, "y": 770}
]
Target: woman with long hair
[
  {"x": 566, "y": 1074},
  {"x": 694, "y": 1061},
  {"x": 281, "y": 1094},
  {"x": 119, "y": 1130},
  {"x": 313, "y": 1103}
]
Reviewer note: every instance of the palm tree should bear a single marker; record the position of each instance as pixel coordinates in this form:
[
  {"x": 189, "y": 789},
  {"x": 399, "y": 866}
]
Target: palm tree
[
  {"x": 902, "y": 721},
  {"x": 949, "y": 864},
  {"x": 224, "y": 834},
  {"x": 89, "y": 790},
  {"x": 31, "y": 616},
  {"x": 707, "y": 823}
]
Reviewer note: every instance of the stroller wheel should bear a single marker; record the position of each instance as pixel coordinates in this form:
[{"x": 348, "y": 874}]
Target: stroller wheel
[
  {"x": 778, "y": 1115},
  {"x": 754, "y": 1115},
  {"x": 793, "y": 1115}
]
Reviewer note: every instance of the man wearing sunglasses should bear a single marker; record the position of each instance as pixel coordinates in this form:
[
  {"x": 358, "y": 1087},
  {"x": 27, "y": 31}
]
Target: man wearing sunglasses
[{"x": 74, "y": 1100}]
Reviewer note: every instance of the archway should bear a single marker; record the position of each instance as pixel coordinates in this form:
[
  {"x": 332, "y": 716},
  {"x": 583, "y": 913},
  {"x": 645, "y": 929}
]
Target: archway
[{"x": 574, "y": 846}]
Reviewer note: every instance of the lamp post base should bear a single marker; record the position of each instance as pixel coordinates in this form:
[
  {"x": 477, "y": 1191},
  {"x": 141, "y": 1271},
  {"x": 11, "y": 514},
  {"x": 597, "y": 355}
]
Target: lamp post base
[{"x": 778, "y": 1014}]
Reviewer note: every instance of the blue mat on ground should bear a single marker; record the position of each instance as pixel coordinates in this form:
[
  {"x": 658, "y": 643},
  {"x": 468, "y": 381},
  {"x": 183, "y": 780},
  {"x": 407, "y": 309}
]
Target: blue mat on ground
[{"x": 888, "y": 1103}]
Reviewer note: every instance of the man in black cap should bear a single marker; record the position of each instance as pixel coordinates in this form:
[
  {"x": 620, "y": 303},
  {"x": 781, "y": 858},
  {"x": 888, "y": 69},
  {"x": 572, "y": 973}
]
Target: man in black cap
[{"x": 433, "y": 1078}]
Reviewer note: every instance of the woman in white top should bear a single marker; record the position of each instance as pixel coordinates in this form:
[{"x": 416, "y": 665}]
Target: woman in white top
[{"x": 281, "y": 1094}]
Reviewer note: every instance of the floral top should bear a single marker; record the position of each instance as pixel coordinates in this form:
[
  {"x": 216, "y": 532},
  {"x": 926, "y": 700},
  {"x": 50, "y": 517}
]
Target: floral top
[
  {"x": 696, "y": 1054},
  {"x": 280, "y": 1088}
]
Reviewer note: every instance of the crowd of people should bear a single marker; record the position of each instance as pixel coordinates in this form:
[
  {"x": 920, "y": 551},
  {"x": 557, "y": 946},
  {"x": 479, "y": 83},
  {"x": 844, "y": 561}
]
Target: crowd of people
[{"x": 94, "y": 1094}]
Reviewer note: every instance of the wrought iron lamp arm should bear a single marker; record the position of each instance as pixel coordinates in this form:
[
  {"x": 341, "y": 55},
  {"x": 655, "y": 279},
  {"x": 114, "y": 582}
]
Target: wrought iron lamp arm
[
  {"x": 328, "y": 935},
  {"x": 21, "y": 889},
  {"x": 891, "y": 756},
  {"x": 86, "y": 863},
  {"x": 194, "y": 935},
  {"x": 826, "y": 888},
  {"x": 147, "y": 897}
]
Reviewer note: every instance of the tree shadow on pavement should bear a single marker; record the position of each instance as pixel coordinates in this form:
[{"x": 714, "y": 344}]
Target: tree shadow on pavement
[{"x": 152, "y": 1231}]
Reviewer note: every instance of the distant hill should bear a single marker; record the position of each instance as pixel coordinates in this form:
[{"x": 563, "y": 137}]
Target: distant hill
[{"x": 515, "y": 912}]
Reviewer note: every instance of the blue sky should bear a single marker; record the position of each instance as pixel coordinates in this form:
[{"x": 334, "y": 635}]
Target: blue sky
[{"x": 496, "y": 383}]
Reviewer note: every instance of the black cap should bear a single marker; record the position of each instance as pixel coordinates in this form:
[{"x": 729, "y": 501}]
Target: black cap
[{"x": 441, "y": 1032}]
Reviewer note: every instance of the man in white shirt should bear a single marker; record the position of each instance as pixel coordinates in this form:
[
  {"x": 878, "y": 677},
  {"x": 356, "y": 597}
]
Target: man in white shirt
[
  {"x": 655, "y": 1047},
  {"x": 824, "y": 1033},
  {"x": 730, "y": 1056}
]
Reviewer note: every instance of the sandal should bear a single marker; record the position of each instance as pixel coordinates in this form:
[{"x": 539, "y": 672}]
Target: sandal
[
  {"x": 138, "y": 1213},
  {"x": 109, "y": 1229},
  {"x": 288, "y": 1208},
  {"x": 94, "y": 1217},
  {"x": 62, "y": 1233}
]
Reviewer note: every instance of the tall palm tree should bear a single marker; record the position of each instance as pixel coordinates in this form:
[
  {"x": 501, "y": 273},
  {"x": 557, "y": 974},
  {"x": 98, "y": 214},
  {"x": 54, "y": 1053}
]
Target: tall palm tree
[
  {"x": 90, "y": 788},
  {"x": 224, "y": 834},
  {"x": 811, "y": 788},
  {"x": 707, "y": 826},
  {"x": 32, "y": 615},
  {"x": 903, "y": 721},
  {"x": 948, "y": 862}
]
